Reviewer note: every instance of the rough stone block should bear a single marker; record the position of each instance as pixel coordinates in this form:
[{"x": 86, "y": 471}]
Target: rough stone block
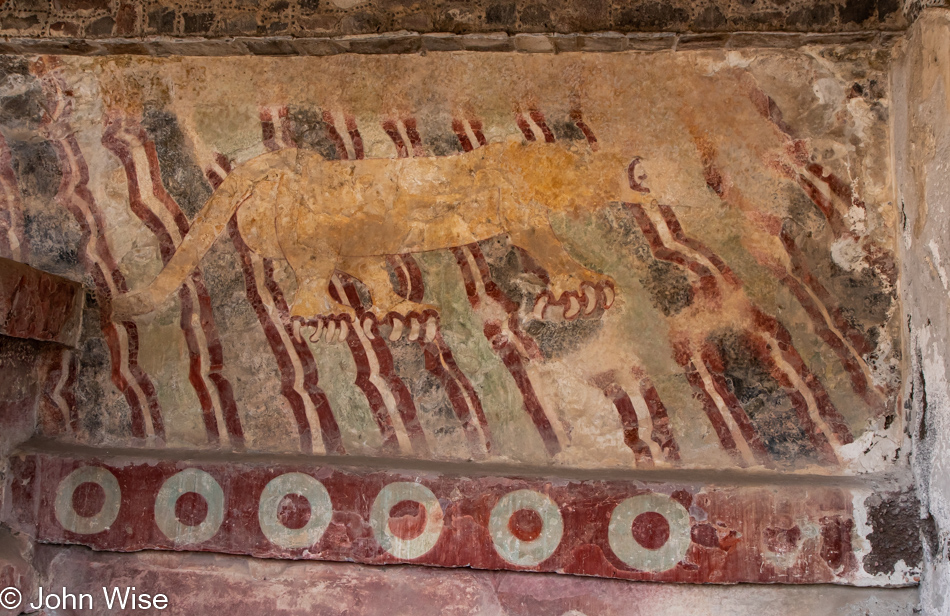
[
  {"x": 37, "y": 305},
  {"x": 125, "y": 47},
  {"x": 195, "y": 47},
  {"x": 441, "y": 41},
  {"x": 651, "y": 42},
  {"x": 64, "y": 28},
  {"x": 397, "y": 42},
  {"x": 319, "y": 46},
  {"x": 18, "y": 579},
  {"x": 82, "y": 5},
  {"x": 702, "y": 41},
  {"x": 54, "y": 46},
  {"x": 533, "y": 43},
  {"x": 104, "y": 26},
  {"x": 497, "y": 41},
  {"x": 269, "y": 46},
  {"x": 602, "y": 41}
]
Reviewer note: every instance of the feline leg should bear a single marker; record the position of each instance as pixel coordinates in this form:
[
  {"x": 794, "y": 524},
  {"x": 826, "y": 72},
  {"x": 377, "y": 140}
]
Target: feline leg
[
  {"x": 545, "y": 247},
  {"x": 373, "y": 272},
  {"x": 313, "y": 295}
]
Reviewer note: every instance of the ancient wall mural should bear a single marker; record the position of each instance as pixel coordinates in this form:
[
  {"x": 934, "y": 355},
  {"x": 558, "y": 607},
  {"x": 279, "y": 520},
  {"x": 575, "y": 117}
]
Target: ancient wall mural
[
  {"x": 562, "y": 268},
  {"x": 582, "y": 260}
]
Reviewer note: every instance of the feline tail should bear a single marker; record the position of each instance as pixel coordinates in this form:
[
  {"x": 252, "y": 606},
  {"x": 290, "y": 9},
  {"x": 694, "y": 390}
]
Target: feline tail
[{"x": 208, "y": 225}]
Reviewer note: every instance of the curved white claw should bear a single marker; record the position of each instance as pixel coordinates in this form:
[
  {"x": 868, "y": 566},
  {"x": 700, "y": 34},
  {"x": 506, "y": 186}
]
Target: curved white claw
[
  {"x": 396, "y": 334},
  {"x": 330, "y": 330},
  {"x": 608, "y": 296},
  {"x": 414, "y": 330},
  {"x": 591, "y": 294},
  {"x": 344, "y": 330},
  {"x": 430, "y": 330},
  {"x": 574, "y": 308},
  {"x": 538, "y": 312},
  {"x": 317, "y": 330},
  {"x": 368, "y": 328}
]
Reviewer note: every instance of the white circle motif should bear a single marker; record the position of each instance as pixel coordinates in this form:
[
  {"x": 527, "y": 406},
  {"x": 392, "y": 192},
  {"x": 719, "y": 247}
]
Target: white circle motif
[
  {"x": 626, "y": 547},
  {"x": 515, "y": 550},
  {"x": 179, "y": 484},
  {"x": 67, "y": 515},
  {"x": 388, "y": 498},
  {"x": 321, "y": 510}
]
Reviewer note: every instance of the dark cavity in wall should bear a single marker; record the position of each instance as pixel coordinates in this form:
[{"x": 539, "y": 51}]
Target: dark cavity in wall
[
  {"x": 895, "y": 518},
  {"x": 920, "y": 385}
]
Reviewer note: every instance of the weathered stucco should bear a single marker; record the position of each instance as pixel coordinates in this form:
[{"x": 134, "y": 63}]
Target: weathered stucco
[
  {"x": 333, "y": 588},
  {"x": 742, "y": 223},
  {"x": 922, "y": 147}
]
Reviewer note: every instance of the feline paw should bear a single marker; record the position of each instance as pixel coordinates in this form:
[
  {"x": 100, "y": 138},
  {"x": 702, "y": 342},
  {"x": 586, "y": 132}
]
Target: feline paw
[{"x": 588, "y": 301}]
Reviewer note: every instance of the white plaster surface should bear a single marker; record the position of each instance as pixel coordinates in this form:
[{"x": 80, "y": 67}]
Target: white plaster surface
[{"x": 921, "y": 80}]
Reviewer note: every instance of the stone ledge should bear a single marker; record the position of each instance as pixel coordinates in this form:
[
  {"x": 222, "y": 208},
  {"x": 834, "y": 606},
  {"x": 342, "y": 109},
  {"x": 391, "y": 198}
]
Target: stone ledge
[
  {"x": 242, "y": 585},
  {"x": 715, "y": 532},
  {"x": 413, "y": 42}
]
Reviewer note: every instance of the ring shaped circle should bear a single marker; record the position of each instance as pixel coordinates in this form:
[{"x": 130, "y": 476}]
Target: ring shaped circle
[
  {"x": 67, "y": 515},
  {"x": 388, "y": 498},
  {"x": 518, "y": 551},
  {"x": 321, "y": 510},
  {"x": 626, "y": 547},
  {"x": 189, "y": 480}
]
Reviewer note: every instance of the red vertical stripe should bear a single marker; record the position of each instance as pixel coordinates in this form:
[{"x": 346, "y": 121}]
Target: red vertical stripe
[
  {"x": 477, "y": 129},
  {"x": 355, "y": 137},
  {"x": 284, "y": 363},
  {"x": 415, "y": 140},
  {"x": 404, "y": 403},
  {"x": 268, "y": 133},
  {"x": 11, "y": 209},
  {"x": 630, "y": 423},
  {"x": 462, "y": 135},
  {"x": 393, "y": 131},
  {"x": 332, "y": 439},
  {"x": 525, "y": 128},
  {"x": 513, "y": 362},
  {"x": 662, "y": 430},
  {"x": 715, "y": 367},
  {"x": 538, "y": 118},
  {"x": 578, "y": 118},
  {"x": 335, "y": 136}
]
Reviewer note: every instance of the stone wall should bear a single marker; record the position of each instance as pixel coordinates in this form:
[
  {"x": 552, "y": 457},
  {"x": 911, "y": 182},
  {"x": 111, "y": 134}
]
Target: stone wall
[
  {"x": 133, "y": 19},
  {"x": 922, "y": 146},
  {"x": 40, "y": 318}
]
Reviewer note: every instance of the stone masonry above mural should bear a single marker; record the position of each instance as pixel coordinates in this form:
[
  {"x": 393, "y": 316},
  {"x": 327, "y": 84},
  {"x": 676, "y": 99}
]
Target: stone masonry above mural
[{"x": 580, "y": 260}]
